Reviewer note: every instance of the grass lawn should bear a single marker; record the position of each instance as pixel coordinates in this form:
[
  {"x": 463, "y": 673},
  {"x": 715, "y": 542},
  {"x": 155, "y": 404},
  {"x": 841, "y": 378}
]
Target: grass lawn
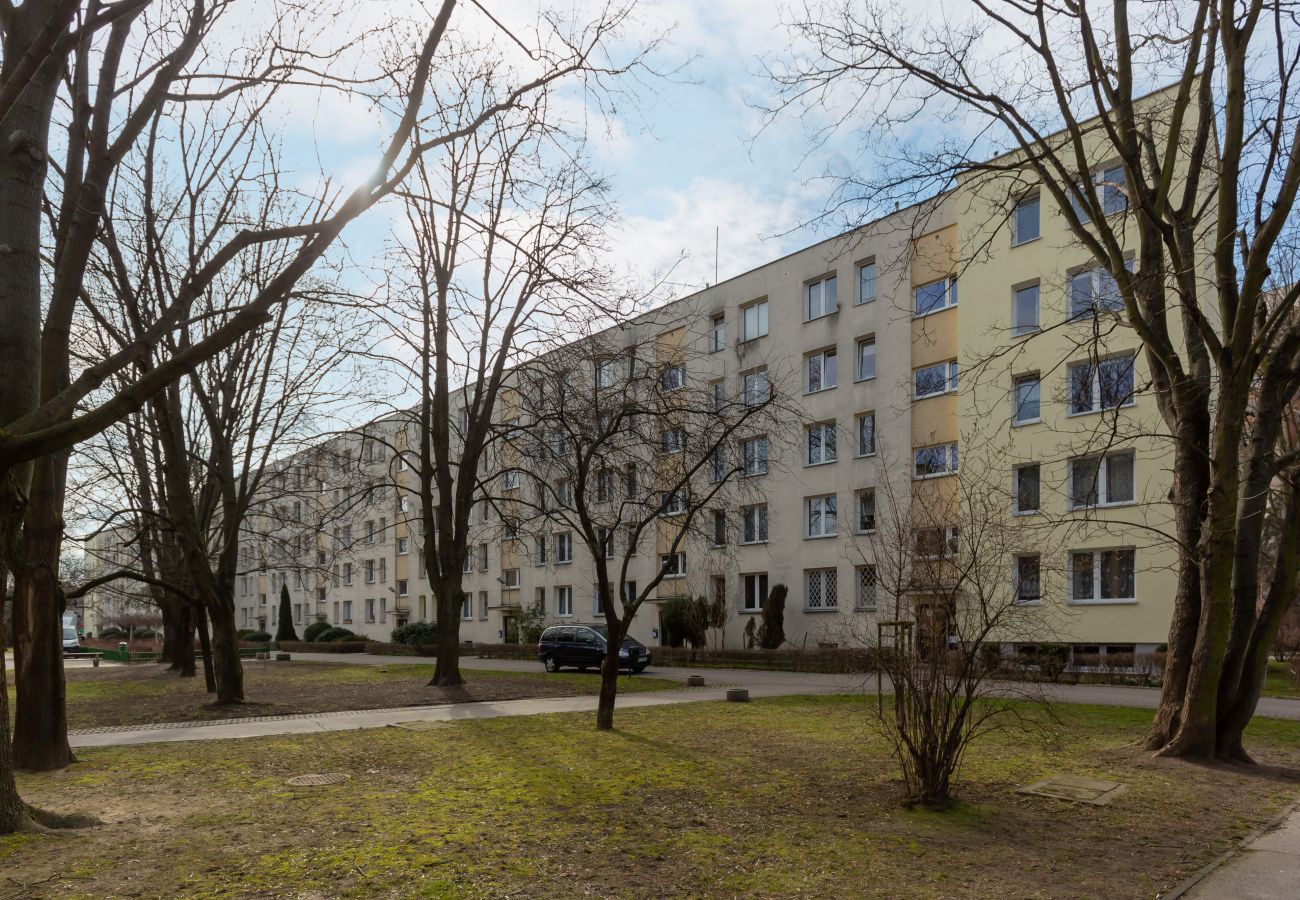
[
  {"x": 1278, "y": 682},
  {"x": 146, "y": 693},
  {"x": 775, "y": 798}
]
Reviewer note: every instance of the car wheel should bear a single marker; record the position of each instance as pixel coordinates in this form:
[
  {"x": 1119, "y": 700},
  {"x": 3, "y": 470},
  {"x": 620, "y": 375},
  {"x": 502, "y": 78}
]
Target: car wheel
[
  {"x": 638, "y": 670},
  {"x": 551, "y": 664}
]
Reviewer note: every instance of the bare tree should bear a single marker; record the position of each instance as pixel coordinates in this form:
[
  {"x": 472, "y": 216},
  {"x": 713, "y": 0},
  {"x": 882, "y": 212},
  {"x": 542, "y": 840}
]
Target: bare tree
[
  {"x": 1198, "y": 192},
  {"x": 624, "y": 448}
]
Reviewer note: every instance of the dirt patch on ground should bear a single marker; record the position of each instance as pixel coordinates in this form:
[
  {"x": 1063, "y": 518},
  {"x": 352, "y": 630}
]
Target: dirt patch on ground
[
  {"x": 776, "y": 798},
  {"x": 146, "y": 693}
]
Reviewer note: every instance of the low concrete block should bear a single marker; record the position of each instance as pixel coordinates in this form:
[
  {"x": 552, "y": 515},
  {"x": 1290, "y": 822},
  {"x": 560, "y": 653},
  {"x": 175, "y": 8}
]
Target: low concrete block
[
  {"x": 695, "y": 681},
  {"x": 737, "y": 695},
  {"x": 282, "y": 657}
]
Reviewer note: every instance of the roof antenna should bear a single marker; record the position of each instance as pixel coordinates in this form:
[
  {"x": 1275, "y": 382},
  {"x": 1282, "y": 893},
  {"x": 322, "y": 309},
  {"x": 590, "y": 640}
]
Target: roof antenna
[{"x": 715, "y": 254}]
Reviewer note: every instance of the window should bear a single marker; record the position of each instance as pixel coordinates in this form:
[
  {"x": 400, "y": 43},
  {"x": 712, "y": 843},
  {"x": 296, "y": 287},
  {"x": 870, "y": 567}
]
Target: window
[
  {"x": 606, "y": 373},
  {"x": 1025, "y": 221},
  {"x": 753, "y": 591},
  {"x": 1113, "y": 190},
  {"x": 1101, "y": 576},
  {"x": 821, "y": 516},
  {"x": 469, "y": 564},
  {"x": 820, "y": 299},
  {"x": 673, "y": 565},
  {"x": 1024, "y": 310},
  {"x": 866, "y": 361},
  {"x": 1107, "y": 384},
  {"x": 1028, "y": 578},
  {"x": 939, "y": 459},
  {"x": 563, "y": 548},
  {"x": 674, "y": 503},
  {"x": 347, "y": 612},
  {"x": 467, "y": 606},
  {"x": 719, "y": 396},
  {"x": 370, "y": 611},
  {"x": 936, "y": 543},
  {"x": 719, "y": 332},
  {"x": 539, "y": 550},
  {"x": 753, "y": 524},
  {"x": 629, "y": 477},
  {"x": 370, "y": 571},
  {"x": 866, "y": 522},
  {"x": 370, "y": 532},
  {"x": 867, "y": 282},
  {"x": 755, "y": 455},
  {"x": 564, "y": 600},
  {"x": 1102, "y": 480},
  {"x": 482, "y": 557},
  {"x": 757, "y": 390},
  {"x": 483, "y": 605},
  {"x": 403, "y": 546},
  {"x": 820, "y": 593},
  {"x": 510, "y": 578},
  {"x": 672, "y": 377},
  {"x": 821, "y": 443},
  {"x": 1094, "y": 290},
  {"x": 605, "y": 541},
  {"x": 672, "y": 441},
  {"x": 512, "y": 479},
  {"x": 402, "y": 587},
  {"x": 1027, "y": 488},
  {"x": 931, "y": 381},
  {"x": 539, "y": 599},
  {"x": 719, "y": 528},
  {"x": 347, "y": 574},
  {"x": 564, "y": 493},
  {"x": 719, "y": 464},
  {"x": 866, "y": 434},
  {"x": 820, "y": 371},
  {"x": 753, "y": 322},
  {"x": 935, "y": 296},
  {"x": 1025, "y": 399},
  {"x": 604, "y": 486},
  {"x": 866, "y": 588}
]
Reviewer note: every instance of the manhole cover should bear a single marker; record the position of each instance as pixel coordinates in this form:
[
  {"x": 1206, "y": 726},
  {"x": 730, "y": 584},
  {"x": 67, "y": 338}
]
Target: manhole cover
[{"x": 317, "y": 780}]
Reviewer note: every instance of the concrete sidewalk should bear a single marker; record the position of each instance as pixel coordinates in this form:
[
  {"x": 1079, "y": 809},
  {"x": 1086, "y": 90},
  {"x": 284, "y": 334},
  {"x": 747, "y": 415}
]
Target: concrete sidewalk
[{"x": 1268, "y": 868}]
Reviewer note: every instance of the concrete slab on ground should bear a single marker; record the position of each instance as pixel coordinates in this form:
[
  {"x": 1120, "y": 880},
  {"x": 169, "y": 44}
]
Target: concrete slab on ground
[{"x": 1268, "y": 868}]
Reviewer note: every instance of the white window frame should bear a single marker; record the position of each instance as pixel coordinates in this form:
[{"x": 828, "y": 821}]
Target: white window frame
[
  {"x": 563, "y": 548},
  {"x": 826, "y": 507},
  {"x": 510, "y": 578},
  {"x": 863, "y": 343},
  {"x": 949, "y": 299},
  {"x": 1096, "y": 555},
  {"x": 672, "y": 441},
  {"x": 1017, "y": 582},
  {"x": 950, "y": 458},
  {"x": 1029, "y": 378},
  {"x": 759, "y": 459},
  {"x": 866, "y": 586},
  {"x": 754, "y": 522},
  {"x": 950, "y": 373},
  {"x": 403, "y": 546},
  {"x": 866, "y": 277},
  {"x": 827, "y": 582},
  {"x": 1015, "y": 489},
  {"x": 821, "y": 444},
  {"x": 1103, "y": 485},
  {"x": 862, "y": 419},
  {"x": 755, "y": 387},
  {"x": 828, "y": 362},
  {"x": 719, "y": 334},
  {"x": 672, "y": 377},
  {"x": 1031, "y": 200},
  {"x": 1019, "y": 328},
  {"x": 673, "y": 565},
  {"x": 564, "y": 601},
  {"x": 753, "y": 321},
  {"x": 753, "y": 591},
  {"x": 674, "y": 503},
  {"x": 860, "y": 498},
  {"x": 1094, "y": 368},
  {"x": 826, "y": 292}
]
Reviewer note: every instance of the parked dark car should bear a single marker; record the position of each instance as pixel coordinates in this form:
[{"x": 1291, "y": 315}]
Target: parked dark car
[{"x": 583, "y": 646}]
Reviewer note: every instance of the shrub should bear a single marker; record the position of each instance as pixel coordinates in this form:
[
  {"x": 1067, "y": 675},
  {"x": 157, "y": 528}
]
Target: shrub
[
  {"x": 415, "y": 633},
  {"x": 771, "y": 634},
  {"x": 684, "y": 621},
  {"x": 145, "y": 632},
  {"x": 257, "y": 637},
  {"x": 285, "y": 630},
  {"x": 330, "y": 635},
  {"x": 111, "y": 631},
  {"x": 313, "y": 631}
]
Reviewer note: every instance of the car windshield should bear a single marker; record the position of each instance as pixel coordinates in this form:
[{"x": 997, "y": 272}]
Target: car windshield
[
  {"x": 69, "y": 634},
  {"x": 601, "y": 630}
]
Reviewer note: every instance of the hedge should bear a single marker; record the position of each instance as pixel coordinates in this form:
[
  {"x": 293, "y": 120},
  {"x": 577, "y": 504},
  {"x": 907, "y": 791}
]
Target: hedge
[{"x": 330, "y": 647}]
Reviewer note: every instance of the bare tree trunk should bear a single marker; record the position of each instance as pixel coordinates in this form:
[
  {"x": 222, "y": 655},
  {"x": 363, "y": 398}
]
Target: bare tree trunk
[
  {"x": 446, "y": 666},
  {"x": 227, "y": 671},
  {"x": 205, "y": 643},
  {"x": 608, "y": 688},
  {"x": 40, "y": 715},
  {"x": 11, "y": 805}
]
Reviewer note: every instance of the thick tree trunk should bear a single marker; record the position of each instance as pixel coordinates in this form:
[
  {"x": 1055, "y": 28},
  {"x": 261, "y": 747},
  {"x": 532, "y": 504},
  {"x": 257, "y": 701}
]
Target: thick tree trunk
[
  {"x": 182, "y": 641},
  {"x": 11, "y": 806},
  {"x": 446, "y": 667},
  {"x": 40, "y": 714},
  {"x": 205, "y": 644},
  {"x": 228, "y": 672}
]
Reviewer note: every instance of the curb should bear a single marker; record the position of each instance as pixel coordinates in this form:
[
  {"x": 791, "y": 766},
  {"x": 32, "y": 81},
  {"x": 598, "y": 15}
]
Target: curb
[{"x": 1204, "y": 871}]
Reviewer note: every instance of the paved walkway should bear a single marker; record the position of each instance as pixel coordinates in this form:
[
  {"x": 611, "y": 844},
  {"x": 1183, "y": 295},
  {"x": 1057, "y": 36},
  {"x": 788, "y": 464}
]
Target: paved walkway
[{"x": 1267, "y": 869}]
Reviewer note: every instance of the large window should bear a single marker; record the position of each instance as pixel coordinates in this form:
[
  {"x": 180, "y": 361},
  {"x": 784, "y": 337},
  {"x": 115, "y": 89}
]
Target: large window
[
  {"x": 937, "y": 543},
  {"x": 820, "y": 516},
  {"x": 753, "y": 321},
  {"x": 866, "y": 361},
  {"x": 931, "y": 381},
  {"x": 866, "y": 521},
  {"x": 866, "y": 587},
  {"x": 753, "y": 591},
  {"x": 935, "y": 296},
  {"x": 1102, "y": 576},
  {"x": 1027, "y": 487},
  {"x": 938, "y": 459},
  {"x": 673, "y": 565},
  {"x": 719, "y": 535},
  {"x": 1025, "y": 398},
  {"x": 1025, "y": 224},
  {"x": 820, "y": 371},
  {"x": 672, "y": 441},
  {"x": 1107, "y": 384},
  {"x": 820, "y": 589},
  {"x": 563, "y": 548},
  {"x": 1024, "y": 310},
  {"x": 672, "y": 377},
  {"x": 867, "y": 282},
  {"x": 564, "y": 600},
  {"x": 820, "y": 298},
  {"x": 1102, "y": 480},
  {"x": 755, "y": 450},
  {"x": 1094, "y": 290},
  {"x": 820, "y": 443},
  {"x": 1028, "y": 575},
  {"x": 674, "y": 503},
  {"x": 753, "y": 524},
  {"x": 756, "y": 389}
]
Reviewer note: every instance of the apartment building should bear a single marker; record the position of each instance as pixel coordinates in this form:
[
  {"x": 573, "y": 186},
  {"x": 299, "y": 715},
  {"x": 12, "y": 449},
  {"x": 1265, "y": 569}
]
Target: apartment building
[
  {"x": 117, "y": 601},
  {"x": 1029, "y": 384}
]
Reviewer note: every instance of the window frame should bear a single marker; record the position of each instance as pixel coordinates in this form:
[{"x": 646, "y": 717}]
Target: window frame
[
  {"x": 860, "y": 298},
  {"x": 1016, "y": 471},
  {"x": 760, "y": 514},
  {"x": 1102, "y": 486},
  {"x": 951, "y": 456},
  {"x": 829, "y": 450},
  {"x": 1017, "y": 404},
  {"x": 825, "y": 355},
  {"x": 1095, "y": 388},
  {"x": 859, "y": 497},
  {"x": 951, "y": 374},
  {"x": 830, "y": 279},
  {"x": 828, "y": 509},
  {"x": 858, "y": 346},
  {"x": 950, "y": 296},
  {"x": 1097, "y": 554},
  {"x": 1032, "y": 199},
  {"x": 751, "y": 582},
  {"x": 761, "y": 320},
  {"x": 828, "y": 576}
]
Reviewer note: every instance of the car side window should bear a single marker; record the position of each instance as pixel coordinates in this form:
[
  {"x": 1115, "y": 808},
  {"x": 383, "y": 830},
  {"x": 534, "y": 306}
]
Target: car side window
[{"x": 585, "y": 636}]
